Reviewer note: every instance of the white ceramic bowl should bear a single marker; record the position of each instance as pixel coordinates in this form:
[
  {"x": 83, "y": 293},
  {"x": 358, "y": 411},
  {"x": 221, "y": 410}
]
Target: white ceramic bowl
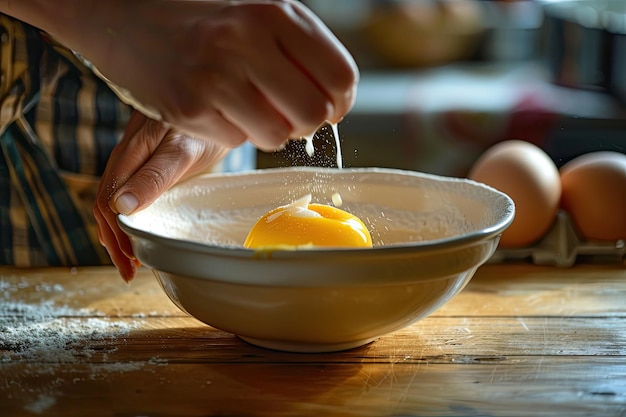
[{"x": 430, "y": 235}]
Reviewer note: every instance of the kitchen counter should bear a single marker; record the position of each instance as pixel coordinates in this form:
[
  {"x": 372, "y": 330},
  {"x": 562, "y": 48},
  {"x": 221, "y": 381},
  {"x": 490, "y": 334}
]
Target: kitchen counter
[{"x": 519, "y": 340}]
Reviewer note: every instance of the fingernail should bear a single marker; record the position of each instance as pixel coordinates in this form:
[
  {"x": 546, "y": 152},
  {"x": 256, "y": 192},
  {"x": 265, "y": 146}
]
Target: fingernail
[{"x": 126, "y": 203}]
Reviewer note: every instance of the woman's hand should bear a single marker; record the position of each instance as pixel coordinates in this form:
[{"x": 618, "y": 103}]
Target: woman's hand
[
  {"x": 150, "y": 159},
  {"x": 218, "y": 72},
  {"x": 227, "y": 71}
]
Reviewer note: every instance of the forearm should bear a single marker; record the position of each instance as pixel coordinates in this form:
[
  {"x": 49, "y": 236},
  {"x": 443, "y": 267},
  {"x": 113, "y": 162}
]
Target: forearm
[
  {"x": 52, "y": 16},
  {"x": 66, "y": 20}
]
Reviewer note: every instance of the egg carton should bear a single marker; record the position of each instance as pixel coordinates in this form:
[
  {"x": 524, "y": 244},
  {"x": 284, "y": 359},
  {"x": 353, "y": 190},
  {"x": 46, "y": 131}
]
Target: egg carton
[{"x": 563, "y": 246}]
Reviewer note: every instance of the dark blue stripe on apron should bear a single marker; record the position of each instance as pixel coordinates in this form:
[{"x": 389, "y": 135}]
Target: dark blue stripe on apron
[
  {"x": 8, "y": 143},
  {"x": 66, "y": 150},
  {"x": 6, "y": 229},
  {"x": 108, "y": 118}
]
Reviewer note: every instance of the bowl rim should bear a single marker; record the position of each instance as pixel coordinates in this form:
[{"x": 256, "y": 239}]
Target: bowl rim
[{"x": 415, "y": 247}]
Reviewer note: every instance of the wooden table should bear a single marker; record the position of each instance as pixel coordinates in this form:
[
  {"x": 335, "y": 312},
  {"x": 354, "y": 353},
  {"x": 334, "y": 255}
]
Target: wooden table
[{"x": 520, "y": 340}]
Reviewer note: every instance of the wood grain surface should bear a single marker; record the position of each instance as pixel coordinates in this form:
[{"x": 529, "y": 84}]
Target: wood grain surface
[{"x": 519, "y": 340}]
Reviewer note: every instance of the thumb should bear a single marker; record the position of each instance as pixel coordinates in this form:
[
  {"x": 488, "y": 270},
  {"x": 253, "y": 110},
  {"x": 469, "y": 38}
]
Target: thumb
[{"x": 169, "y": 162}]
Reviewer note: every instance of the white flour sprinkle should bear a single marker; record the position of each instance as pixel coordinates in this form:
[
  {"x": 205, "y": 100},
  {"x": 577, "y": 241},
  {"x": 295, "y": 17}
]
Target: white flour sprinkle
[
  {"x": 49, "y": 333},
  {"x": 51, "y": 339},
  {"x": 45, "y": 336},
  {"x": 41, "y": 404}
]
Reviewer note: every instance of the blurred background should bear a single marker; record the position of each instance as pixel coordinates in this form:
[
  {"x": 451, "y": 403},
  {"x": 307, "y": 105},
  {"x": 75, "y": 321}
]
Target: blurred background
[{"x": 443, "y": 80}]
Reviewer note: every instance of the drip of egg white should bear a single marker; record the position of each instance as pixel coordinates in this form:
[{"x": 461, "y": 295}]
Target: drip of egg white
[
  {"x": 338, "y": 145},
  {"x": 310, "y": 148}
]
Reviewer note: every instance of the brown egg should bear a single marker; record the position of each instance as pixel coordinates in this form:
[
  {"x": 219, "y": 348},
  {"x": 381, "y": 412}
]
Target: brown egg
[
  {"x": 525, "y": 173},
  {"x": 594, "y": 194}
]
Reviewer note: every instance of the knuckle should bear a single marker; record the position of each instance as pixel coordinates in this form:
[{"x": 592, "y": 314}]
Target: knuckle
[
  {"x": 274, "y": 136},
  {"x": 346, "y": 78},
  {"x": 183, "y": 149},
  {"x": 149, "y": 180},
  {"x": 265, "y": 12},
  {"x": 280, "y": 132},
  {"x": 315, "y": 113},
  {"x": 183, "y": 108}
]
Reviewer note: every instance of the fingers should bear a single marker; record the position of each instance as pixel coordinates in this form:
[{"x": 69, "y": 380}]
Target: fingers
[
  {"x": 262, "y": 71},
  {"x": 281, "y": 74},
  {"x": 227, "y": 71},
  {"x": 324, "y": 59},
  {"x": 124, "y": 161},
  {"x": 243, "y": 103},
  {"x": 198, "y": 116},
  {"x": 116, "y": 173},
  {"x": 303, "y": 70},
  {"x": 123, "y": 260},
  {"x": 298, "y": 64},
  {"x": 171, "y": 160},
  {"x": 292, "y": 93},
  {"x": 148, "y": 161}
]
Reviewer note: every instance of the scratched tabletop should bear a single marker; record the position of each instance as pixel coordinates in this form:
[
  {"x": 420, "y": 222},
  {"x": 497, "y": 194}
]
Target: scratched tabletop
[{"x": 519, "y": 340}]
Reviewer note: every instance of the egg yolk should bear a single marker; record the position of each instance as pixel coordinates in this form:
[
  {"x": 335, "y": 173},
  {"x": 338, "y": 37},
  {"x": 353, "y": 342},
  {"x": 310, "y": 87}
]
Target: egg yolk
[{"x": 302, "y": 225}]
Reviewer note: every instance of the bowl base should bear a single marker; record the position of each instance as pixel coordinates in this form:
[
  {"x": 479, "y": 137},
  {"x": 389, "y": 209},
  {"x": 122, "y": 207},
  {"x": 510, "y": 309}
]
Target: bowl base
[{"x": 306, "y": 347}]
